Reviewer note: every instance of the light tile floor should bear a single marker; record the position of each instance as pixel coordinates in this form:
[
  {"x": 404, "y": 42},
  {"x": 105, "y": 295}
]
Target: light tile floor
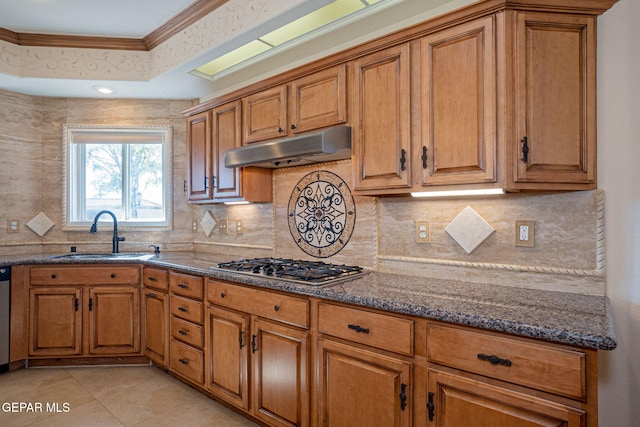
[{"x": 107, "y": 396}]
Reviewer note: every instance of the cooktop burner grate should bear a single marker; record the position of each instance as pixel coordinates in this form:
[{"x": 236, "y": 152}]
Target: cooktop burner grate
[{"x": 299, "y": 271}]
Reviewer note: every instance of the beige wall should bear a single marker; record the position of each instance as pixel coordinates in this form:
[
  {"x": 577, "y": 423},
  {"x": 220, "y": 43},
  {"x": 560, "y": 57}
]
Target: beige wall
[
  {"x": 31, "y": 143},
  {"x": 619, "y": 176}
]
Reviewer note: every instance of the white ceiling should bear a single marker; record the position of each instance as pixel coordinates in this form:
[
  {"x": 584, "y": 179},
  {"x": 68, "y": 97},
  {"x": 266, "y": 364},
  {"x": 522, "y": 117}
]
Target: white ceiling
[
  {"x": 110, "y": 18},
  {"x": 138, "y": 18}
]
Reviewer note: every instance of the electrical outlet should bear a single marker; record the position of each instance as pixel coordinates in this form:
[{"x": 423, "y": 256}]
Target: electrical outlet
[
  {"x": 525, "y": 233},
  {"x": 223, "y": 226},
  {"x": 239, "y": 227},
  {"x": 194, "y": 226},
  {"x": 13, "y": 226},
  {"x": 423, "y": 234}
]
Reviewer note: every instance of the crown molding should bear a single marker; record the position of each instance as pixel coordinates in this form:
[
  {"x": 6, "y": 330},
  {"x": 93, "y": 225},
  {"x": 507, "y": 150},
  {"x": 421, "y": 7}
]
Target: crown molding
[{"x": 182, "y": 20}]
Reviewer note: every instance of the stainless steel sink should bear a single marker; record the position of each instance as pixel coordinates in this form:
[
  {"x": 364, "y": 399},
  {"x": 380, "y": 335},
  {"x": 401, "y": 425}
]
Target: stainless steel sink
[{"x": 105, "y": 256}]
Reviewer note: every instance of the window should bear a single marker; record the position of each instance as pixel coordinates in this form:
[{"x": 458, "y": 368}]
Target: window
[{"x": 124, "y": 170}]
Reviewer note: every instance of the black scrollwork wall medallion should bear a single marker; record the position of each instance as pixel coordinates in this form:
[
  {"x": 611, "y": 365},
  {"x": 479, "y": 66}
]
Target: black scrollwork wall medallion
[{"x": 321, "y": 213}]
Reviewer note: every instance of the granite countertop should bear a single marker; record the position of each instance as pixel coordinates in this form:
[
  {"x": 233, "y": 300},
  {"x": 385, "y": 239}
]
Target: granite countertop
[{"x": 566, "y": 318}]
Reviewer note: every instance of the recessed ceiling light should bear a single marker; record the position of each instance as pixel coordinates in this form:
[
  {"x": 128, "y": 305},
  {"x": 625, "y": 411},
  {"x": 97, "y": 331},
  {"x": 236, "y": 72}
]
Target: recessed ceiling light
[{"x": 103, "y": 89}]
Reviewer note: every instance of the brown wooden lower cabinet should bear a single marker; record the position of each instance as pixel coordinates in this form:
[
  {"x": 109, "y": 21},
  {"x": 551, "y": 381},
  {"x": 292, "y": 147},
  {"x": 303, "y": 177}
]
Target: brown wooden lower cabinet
[
  {"x": 362, "y": 388},
  {"x": 456, "y": 400},
  {"x": 57, "y": 326},
  {"x": 155, "y": 325},
  {"x": 259, "y": 365}
]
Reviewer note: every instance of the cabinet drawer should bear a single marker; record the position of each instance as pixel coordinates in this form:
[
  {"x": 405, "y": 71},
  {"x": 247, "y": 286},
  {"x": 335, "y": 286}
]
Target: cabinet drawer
[
  {"x": 187, "y": 332},
  {"x": 155, "y": 278},
  {"x": 187, "y": 361},
  {"x": 271, "y": 305},
  {"x": 187, "y": 309},
  {"x": 374, "y": 329},
  {"x": 185, "y": 285},
  {"x": 533, "y": 365},
  {"x": 95, "y": 275}
]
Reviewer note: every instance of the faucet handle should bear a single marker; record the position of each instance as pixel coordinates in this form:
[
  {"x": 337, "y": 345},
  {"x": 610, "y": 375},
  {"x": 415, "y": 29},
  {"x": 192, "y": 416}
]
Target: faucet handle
[{"x": 120, "y": 239}]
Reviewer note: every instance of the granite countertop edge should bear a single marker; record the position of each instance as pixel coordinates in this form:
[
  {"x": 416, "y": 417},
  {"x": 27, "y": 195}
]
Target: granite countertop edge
[{"x": 571, "y": 319}]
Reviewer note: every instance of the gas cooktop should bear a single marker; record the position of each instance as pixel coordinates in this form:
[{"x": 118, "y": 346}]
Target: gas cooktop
[{"x": 314, "y": 273}]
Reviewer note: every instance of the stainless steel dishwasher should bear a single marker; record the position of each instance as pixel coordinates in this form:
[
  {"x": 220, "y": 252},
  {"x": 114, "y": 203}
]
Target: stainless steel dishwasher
[{"x": 5, "y": 316}]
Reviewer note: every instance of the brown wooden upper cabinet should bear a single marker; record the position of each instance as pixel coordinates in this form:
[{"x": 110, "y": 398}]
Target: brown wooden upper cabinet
[
  {"x": 314, "y": 101},
  {"x": 381, "y": 107},
  {"x": 209, "y": 135},
  {"x": 506, "y": 100},
  {"x": 555, "y": 104},
  {"x": 458, "y": 94},
  {"x": 199, "y": 157}
]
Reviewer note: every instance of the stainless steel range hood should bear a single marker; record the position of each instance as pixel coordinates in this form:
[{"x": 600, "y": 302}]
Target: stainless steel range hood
[{"x": 330, "y": 144}]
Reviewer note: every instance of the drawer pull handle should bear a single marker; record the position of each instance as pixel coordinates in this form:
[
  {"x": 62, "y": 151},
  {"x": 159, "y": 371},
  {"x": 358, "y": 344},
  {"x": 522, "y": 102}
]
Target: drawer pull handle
[
  {"x": 182, "y": 309},
  {"x": 241, "y": 338},
  {"x": 151, "y": 295},
  {"x": 182, "y": 285},
  {"x": 358, "y": 328},
  {"x": 254, "y": 347},
  {"x": 494, "y": 360},
  {"x": 152, "y": 279},
  {"x": 183, "y": 361},
  {"x": 403, "y": 396},
  {"x": 276, "y": 308},
  {"x": 90, "y": 304},
  {"x": 223, "y": 294},
  {"x": 181, "y": 332}
]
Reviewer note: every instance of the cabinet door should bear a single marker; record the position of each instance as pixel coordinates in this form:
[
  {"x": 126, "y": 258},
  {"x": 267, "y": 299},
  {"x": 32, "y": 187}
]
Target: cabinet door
[
  {"x": 199, "y": 157},
  {"x": 265, "y": 114},
  {"x": 381, "y": 113},
  {"x": 319, "y": 100},
  {"x": 555, "y": 100},
  {"x": 459, "y": 105},
  {"x": 226, "y": 135},
  {"x": 228, "y": 342},
  {"x": 155, "y": 325},
  {"x": 114, "y": 320},
  {"x": 280, "y": 374},
  {"x": 459, "y": 401},
  {"x": 55, "y": 322},
  {"x": 361, "y": 388}
]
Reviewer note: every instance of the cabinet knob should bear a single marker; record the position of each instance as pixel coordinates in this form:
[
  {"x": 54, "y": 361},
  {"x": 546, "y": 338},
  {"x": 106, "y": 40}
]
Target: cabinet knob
[
  {"x": 293, "y": 127},
  {"x": 113, "y": 276},
  {"x": 223, "y": 294},
  {"x": 53, "y": 276},
  {"x": 276, "y": 308},
  {"x": 280, "y": 130}
]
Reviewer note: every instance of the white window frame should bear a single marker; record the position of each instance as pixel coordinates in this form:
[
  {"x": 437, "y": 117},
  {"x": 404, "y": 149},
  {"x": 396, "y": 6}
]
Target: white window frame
[{"x": 73, "y": 173}]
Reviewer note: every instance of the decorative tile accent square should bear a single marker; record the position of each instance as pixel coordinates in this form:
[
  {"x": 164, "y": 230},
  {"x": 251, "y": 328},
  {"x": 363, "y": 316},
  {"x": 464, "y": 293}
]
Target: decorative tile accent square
[
  {"x": 469, "y": 229},
  {"x": 207, "y": 223},
  {"x": 40, "y": 224}
]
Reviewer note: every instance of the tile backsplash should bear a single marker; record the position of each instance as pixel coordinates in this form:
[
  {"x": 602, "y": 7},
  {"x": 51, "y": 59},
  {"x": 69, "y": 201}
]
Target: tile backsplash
[{"x": 568, "y": 254}]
